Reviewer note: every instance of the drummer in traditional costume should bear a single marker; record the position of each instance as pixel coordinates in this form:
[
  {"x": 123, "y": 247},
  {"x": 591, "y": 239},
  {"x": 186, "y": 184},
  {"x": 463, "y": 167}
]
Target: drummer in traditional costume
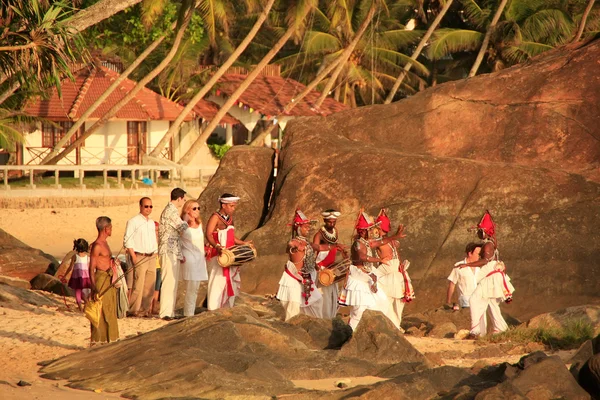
[
  {"x": 224, "y": 282},
  {"x": 328, "y": 236},
  {"x": 493, "y": 285},
  {"x": 393, "y": 277},
  {"x": 361, "y": 290},
  {"x": 297, "y": 287}
]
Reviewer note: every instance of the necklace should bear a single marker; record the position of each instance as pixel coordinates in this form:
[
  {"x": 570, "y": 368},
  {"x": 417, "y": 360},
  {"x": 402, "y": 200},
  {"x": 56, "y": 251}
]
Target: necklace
[{"x": 329, "y": 237}]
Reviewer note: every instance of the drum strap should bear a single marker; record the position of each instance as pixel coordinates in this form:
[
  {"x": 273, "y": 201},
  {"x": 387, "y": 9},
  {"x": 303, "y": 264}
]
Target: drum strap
[
  {"x": 287, "y": 271},
  {"x": 329, "y": 259}
]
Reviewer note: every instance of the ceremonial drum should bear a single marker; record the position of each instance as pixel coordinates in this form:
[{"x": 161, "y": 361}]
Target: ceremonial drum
[
  {"x": 335, "y": 272},
  {"x": 235, "y": 256}
]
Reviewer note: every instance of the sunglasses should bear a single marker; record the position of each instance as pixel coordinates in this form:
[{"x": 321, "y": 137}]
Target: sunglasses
[
  {"x": 195, "y": 208},
  {"x": 147, "y": 206}
]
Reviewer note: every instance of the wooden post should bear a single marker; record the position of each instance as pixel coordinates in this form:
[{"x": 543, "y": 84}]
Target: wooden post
[
  {"x": 57, "y": 179},
  {"x": 133, "y": 183},
  {"x": 105, "y": 176},
  {"x": 173, "y": 170},
  {"x": 154, "y": 176},
  {"x": 119, "y": 183},
  {"x": 31, "y": 185},
  {"x": 81, "y": 174},
  {"x": 6, "y": 185}
]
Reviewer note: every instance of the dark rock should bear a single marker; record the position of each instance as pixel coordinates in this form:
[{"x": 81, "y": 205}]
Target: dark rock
[
  {"x": 377, "y": 340},
  {"x": 23, "y": 383},
  {"x": 445, "y": 330},
  {"x": 531, "y": 359},
  {"x": 221, "y": 354},
  {"x": 324, "y": 334},
  {"x": 583, "y": 354},
  {"x": 49, "y": 283},
  {"x": 414, "y": 331},
  {"x": 442, "y": 135},
  {"x": 542, "y": 378},
  {"x": 18, "y": 260},
  {"x": 589, "y": 376},
  {"x": 420, "y": 385},
  {"x": 245, "y": 172},
  {"x": 21, "y": 298}
]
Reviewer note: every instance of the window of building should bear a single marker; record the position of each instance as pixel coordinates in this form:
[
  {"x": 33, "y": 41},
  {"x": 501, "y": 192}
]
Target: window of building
[{"x": 52, "y": 134}]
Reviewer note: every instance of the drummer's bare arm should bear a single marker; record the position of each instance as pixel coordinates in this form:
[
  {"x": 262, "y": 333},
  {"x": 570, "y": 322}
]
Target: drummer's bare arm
[
  {"x": 211, "y": 226},
  {"x": 247, "y": 242}
]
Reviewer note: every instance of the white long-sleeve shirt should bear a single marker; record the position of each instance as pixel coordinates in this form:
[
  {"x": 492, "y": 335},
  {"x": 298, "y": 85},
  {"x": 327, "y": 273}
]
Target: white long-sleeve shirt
[{"x": 140, "y": 235}]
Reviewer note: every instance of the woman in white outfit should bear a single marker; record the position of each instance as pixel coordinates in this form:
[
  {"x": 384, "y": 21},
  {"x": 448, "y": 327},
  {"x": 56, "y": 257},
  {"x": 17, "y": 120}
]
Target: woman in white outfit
[{"x": 193, "y": 268}]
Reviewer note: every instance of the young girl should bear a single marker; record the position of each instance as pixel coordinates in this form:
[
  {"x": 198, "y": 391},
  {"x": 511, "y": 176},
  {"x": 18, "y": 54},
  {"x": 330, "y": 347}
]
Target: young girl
[{"x": 80, "y": 278}]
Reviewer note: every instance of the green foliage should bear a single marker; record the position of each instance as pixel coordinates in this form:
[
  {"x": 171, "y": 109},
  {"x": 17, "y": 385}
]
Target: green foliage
[
  {"x": 569, "y": 336},
  {"x": 219, "y": 150}
]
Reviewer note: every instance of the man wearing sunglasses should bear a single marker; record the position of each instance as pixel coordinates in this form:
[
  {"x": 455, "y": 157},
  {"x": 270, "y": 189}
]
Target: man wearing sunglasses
[{"x": 140, "y": 242}]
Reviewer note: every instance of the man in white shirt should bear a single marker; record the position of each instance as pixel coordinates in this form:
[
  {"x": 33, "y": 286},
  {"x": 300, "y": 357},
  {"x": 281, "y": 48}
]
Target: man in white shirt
[
  {"x": 465, "y": 278},
  {"x": 140, "y": 242}
]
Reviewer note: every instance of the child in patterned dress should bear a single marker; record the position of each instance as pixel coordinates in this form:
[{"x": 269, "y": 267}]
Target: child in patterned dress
[{"x": 80, "y": 278}]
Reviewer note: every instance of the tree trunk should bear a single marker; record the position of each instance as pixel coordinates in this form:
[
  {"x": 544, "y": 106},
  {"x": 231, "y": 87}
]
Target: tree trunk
[
  {"x": 186, "y": 11},
  {"x": 98, "y": 12},
  {"x": 486, "y": 39},
  {"x": 243, "y": 86},
  {"x": 342, "y": 62},
  {"x": 232, "y": 58},
  {"x": 584, "y": 18},
  {"x": 80, "y": 121},
  {"x": 417, "y": 52},
  {"x": 9, "y": 91}
]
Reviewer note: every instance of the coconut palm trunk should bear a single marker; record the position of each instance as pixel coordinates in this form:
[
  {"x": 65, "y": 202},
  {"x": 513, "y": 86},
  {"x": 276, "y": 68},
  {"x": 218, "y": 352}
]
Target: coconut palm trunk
[
  {"x": 98, "y": 12},
  {"x": 174, "y": 128},
  {"x": 136, "y": 63},
  {"x": 584, "y": 18},
  {"x": 486, "y": 39},
  {"x": 185, "y": 16},
  {"x": 187, "y": 157},
  {"x": 417, "y": 52},
  {"x": 342, "y": 62},
  {"x": 9, "y": 91}
]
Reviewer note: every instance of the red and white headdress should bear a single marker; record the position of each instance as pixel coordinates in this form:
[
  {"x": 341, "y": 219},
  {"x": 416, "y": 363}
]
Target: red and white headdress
[
  {"x": 487, "y": 224},
  {"x": 364, "y": 221},
  {"x": 384, "y": 221},
  {"x": 300, "y": 219}
]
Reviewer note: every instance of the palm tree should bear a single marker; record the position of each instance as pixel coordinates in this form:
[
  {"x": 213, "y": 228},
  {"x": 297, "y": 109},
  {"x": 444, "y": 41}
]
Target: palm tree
[
  {"x": 366, "y": 68},
  {"x": 486, "y": 38},
  {"x": 202, "y": 92},
  {"x": 185, "y": 15},
  {"x": 584, "y": 18},
  {"x": 295, "y": 16},
  {"x": 418, "y": 51}
]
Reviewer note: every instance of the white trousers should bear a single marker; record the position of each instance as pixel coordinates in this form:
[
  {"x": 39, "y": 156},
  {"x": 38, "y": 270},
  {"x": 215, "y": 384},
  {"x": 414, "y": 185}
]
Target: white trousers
[
  {"x": 330, "y": 300},
  {"x": 479, "y": 306},
  {"x": 395, "y": 308},
  {"x": 191, "y": 294},
  {"x": 169, "y": 273},
  {"x": 292, "y": 308}
]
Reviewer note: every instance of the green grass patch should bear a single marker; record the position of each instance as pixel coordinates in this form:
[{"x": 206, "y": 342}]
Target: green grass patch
[
  {"x": 90, "y": 182},
  {"x": 568, "y": 336}
]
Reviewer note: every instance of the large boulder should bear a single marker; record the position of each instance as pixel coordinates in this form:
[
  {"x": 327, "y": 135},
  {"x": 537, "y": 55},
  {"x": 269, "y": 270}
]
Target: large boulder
[
  {"x": 21, "y": 261},
  {"x": 49, "y": 283},
  {"x": 221, "y": 354},
  {"x": 522, "y": 142},
  {"x": 246, "y": 172},
  {"x": 568, "y": 317},
  {"x": 589, "y": 376}
]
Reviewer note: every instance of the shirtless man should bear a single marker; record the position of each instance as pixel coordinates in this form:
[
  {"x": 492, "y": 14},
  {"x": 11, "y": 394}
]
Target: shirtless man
[
  {"x": 223, "y": 283},
  {"x": 361, "y": 291},
  {"x": 328, "y": 236},
  {"x": 297, "y": 291},
  {"x": 393, "y": 278},
  {"x": 102, "y": 274}
]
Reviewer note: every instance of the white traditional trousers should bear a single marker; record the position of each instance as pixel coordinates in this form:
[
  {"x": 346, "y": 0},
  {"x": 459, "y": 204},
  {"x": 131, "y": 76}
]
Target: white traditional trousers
[
  {"x": 330, "y": 300},
  {"x": 395, "y": 308},
  {"x": 479, "y": 306},
  {"x": 169, "y": 273},
  {"x": 292, "y": 308},
  {"x": 191, "y": 294}
]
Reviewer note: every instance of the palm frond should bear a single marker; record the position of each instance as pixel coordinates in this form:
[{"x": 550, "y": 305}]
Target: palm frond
[
  {"x": 400, "y": 59},
  {"x": 399, "y": 38},
  {"x": 151, "y": 9},
  {"x": 447, "y": 41},
  {"x": 549, "y": 26},
  {"x": 319, "y": 42},
  {"x": 523, "y": 51},
  {"x": 476, "y": 15}
]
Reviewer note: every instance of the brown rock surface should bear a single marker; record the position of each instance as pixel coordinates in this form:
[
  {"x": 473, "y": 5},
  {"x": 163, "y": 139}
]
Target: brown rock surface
[
  {"x": 523, "y": 143},
  {"x": 589, "y": 314},
  {"x": 245, "y": 172},
  {"x": 19, "y": 260}
]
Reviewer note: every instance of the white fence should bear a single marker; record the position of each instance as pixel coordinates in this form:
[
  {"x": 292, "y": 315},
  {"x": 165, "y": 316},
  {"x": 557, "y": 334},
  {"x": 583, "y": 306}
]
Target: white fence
[{"x": 175, "y": 174}]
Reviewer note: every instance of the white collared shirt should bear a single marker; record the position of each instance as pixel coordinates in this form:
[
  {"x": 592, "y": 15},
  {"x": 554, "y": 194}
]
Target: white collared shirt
[
  {"x": 140, "y": 235},
  {"x": 466, "y": 280}
]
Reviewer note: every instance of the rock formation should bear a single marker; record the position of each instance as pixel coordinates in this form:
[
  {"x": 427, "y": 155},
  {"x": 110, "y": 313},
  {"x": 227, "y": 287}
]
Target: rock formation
[
  {"x": 522, "y": 142},
  {"x": 21, "y": 261}
]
